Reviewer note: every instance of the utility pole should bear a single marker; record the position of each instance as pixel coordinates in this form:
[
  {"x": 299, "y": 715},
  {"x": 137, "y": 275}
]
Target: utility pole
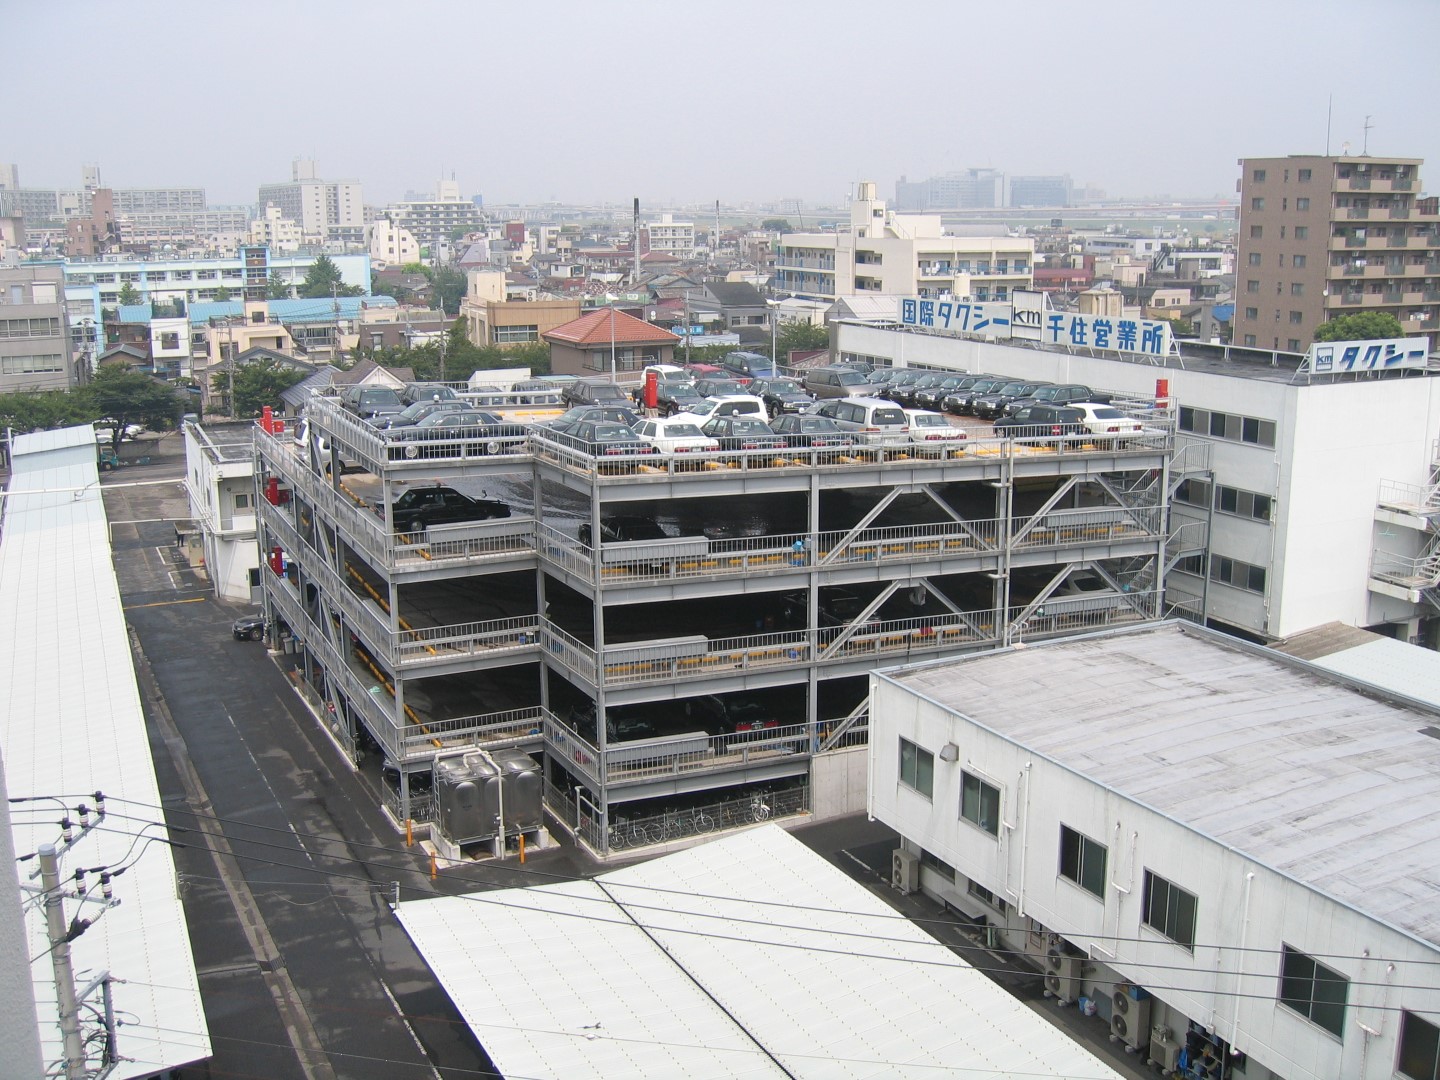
[
  {"x": 230, "y": 366},
  {"x": 59, "y": 936}
]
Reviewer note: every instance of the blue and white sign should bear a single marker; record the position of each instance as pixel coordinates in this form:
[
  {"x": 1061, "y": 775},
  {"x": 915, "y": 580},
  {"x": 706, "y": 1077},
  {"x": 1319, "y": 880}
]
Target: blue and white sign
[
  {"x": 1385, "y": 354},
  {"x": 988, "y": 318}
]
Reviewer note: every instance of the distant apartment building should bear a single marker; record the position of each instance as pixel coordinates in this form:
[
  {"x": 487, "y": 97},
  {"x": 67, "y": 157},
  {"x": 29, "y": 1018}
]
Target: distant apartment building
[
  {"x": 34, "y": 346},
  {"x": 275, "y": 231},
  {"x": 965, "y": 190},
  {"x": 390, "y": 245},
  {"x": 1327, "y": 236},
  {"x": 324, "y": 209},
  {"x": 434, "y": 220},
  {"x": 879, "y": 251},
  {"x": 669, "y": 237},
  {"x": 1039, "y": 191},
  {"x": 211, "y": 229},
  {"x": 9, "y": 176},
  {"x": 158, "y": 200}
]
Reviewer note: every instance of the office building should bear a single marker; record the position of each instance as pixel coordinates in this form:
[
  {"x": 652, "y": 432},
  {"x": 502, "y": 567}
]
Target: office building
[
  {"x": 1039, "y": 191},
  {"x": 1153, "y": 816},
  {"x": 35, "y": 351},
  {"x": 1327, "y": 236},
  {"x": 969, "y": 189},
  {"x": 324, "y": 209},
  {"x": 881, "y": 252}
]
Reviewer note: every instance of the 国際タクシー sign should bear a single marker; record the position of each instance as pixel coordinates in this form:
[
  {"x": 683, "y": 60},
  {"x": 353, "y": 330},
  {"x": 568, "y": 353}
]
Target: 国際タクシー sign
[{"x": 991, "y": 318}]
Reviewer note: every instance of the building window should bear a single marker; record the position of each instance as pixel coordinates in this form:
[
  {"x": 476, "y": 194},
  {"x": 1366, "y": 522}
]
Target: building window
[
  {"x": 242, "y": 502},
  {"x": 170, "y": 340},
  {"x": 1237, "y": 574},
  {"x": 984, "y": 895},
  {"x": 1297, "y": 288},
  {"x": 1298, "y": 261},
  {"x": 1302, "y": 204},
  {"x": 1250, "y": 340},
  {"x": 1082, "y": 860},
  {"x": 980, "y": 803},
  {"x": 1292, "y": 344},
  {"x": 1194, "y": 492},
  {"x": 1254, "y": 258},
  {"x": 509, "y": 335},
  {"x": 1170, "y": 910},
  {"x": 32, "y": 365},
  {"x": 1313, "y": 990},
  {"x": 1302, "y": 232},
  {"x": 1256, "y": 232},
  {"x": 1252, "y": 286},
  {"x": 1258, "y": 176},
  {"x": 1296, "y": 318},
  {"x": 1252, "y": 313},
  {"x": 939, "y": 865},
  {"x": 1228, "y": 426},
  {"x": 1302, "y": 175},
  {"x": 29, "y": 328},
  {"x": 1257, "y": 203},
  {"x": 917, "y": 768},
  {"x": 1419, "y": 1048}
]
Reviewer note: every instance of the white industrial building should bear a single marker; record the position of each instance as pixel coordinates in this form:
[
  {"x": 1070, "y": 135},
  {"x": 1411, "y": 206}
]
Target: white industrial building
[
  {"x": 1231, "y": 851},
  {"x": 1300, "y": 465},
  {"x": 882, "y": 252},
  {"x": 220, "y": 486}
]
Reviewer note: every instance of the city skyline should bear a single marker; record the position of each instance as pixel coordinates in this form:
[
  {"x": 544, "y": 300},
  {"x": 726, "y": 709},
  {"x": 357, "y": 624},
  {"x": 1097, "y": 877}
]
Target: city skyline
[{"x": 680, "y": 106}]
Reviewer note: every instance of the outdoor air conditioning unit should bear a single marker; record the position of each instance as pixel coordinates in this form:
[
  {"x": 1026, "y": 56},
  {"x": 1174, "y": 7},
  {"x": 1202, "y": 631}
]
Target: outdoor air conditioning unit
[
  {"x": 1062, "y": 974},
  {"x": 1130, "y": 1016},
  {"x": 1164, "y": 1050},
  {"x": 905, "y": 871}
]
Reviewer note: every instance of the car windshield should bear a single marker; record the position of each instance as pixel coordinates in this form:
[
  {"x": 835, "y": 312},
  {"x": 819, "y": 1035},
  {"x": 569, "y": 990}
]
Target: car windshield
[
  {"x": 851, "y": 378},
  {"x": 610, "y": 433},
  {"x": 702, "y": 407},
  {"x": 378, "y": 397},
  {"x": 1108, "y": 413},
  {"x": 1011, "y": 388},
  {"x": 817, "y": 423},
  {"x": 748, "y": 427},
  {"x": 680, "y": 431},
  {"x": 784, "y": 386},
  {"x": 930, "y": 420}
]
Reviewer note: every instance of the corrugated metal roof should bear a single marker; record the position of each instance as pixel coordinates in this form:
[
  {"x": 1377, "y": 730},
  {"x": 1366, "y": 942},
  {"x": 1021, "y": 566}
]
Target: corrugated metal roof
[
  {"x": 1335, "y": 788},
  {"x": 723, "y": 961},
  {"x": 70, "y": 723},
  {"x": 1395, "y": 666}
]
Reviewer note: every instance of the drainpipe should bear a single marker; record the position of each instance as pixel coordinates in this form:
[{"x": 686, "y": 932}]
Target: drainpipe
[
  {"x": 1240, "y": 959},
  {"x": 1024, "y": 840},
  {"x": 500, "y": 800}
]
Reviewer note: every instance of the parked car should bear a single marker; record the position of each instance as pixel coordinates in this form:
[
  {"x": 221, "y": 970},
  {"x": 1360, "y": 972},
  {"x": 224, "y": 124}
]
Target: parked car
[
  {"x": 413, "y": 414},
  {"x": 838, "y": 382},
  {"x": 927, "y": 427},
  {"x": 616, "y": 414},
  {"x": 743, "y": 433},
  {"x": 673, "y": 396},
  {"x": 1059, "y": 394},
  {"x": 800, "y": 430},
  {"x": 951, "y": 401},
  {"x": 593, "y": 392},
  {"x": 965, "y": 399},
  {"x": 623, "y": 528},
  {"x": 896, "y": 381},
  {"x": 748, "y": 366},
  {"x": 416, "y": 509},
  {"x": 1106, "y": 419},
  {"x": 738, "y": 405},
  {"x": 781, "y": 395},
  {"x": 249, "y": 627},
  {"x": 931, "y": 396},
  {"x": 671, "y": 436},
  {"x": 989, "y": 406},
  {"x": 369, "y": 401},
  {"x": 1041, "y": 422},
  {"x": 599, "y": 438},
  {"x": 427, "y": 391},
  {"x": 834, "y": 607},
  {"x": 906, "y": 395},
  {"x": 449, "y": 432},
  {"x": 870, "y": 420},
  {"x": 719, "y": 386}
]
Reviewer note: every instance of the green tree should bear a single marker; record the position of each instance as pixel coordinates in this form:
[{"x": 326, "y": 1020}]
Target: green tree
[
  {"x": 128, "y": 295},
  {"x": 125, "y": 397},
  {"x": 257, "y": 383},
  {"x": 40, "y": 410},
  {"x": 323, "y": 279},
  {"x": 775, "y": 224},
  {"x": 222, "y": 294},
  {"x": 277, "y": 288},
  {"x": 1362, "y": 326},
  {"x": 447, "y": 288},
  {"x": 790, "y": 336}
]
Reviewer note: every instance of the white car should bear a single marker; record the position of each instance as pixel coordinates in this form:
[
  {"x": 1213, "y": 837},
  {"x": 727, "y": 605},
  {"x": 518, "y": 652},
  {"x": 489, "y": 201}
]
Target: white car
[
  {"x": 739, "y": 405},
  {"x": 105, "y": 433},
  {"x": 1106, "y": 419},
  {"x": 672, "y": 435},
  {"x": 932, "y": 427}
]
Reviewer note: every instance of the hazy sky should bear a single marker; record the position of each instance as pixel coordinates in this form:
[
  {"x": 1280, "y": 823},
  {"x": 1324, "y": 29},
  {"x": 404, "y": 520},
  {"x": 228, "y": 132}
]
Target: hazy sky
[{"x": 740, "y": 100}]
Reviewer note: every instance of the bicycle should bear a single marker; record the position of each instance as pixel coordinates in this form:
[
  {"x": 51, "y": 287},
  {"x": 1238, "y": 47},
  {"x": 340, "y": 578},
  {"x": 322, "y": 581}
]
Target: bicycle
[
  {"x": 703, "y": 822},
  {"x": 759, "y": 810}
]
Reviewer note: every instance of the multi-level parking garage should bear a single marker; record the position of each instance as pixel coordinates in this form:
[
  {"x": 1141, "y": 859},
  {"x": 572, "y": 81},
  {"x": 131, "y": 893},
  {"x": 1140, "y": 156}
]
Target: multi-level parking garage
[{"x": 680, "y": 684}]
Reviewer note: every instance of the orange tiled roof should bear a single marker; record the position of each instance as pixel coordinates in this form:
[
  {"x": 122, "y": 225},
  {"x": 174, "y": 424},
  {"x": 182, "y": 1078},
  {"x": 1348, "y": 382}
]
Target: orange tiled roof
[{"x": 596, "y": 329}]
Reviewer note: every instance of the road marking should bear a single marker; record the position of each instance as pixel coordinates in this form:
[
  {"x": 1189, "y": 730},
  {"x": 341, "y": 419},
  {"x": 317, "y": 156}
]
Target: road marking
[
  {"x": 858, "y": 862},
  {"x": 167, "y": 603}
]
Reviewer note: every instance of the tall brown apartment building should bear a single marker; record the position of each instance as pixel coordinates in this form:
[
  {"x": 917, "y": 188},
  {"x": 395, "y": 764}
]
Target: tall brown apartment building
[{"x": 1326, "y": 236}]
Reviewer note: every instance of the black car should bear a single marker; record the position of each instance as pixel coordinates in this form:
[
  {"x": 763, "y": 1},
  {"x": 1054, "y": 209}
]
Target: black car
[
  {"x": 622, "y": 528},
  {"x": 781, "y": 395},
  {"x": 1059, "y": 394},
  {"x": 599, "y": 438},
  {"x": 931, "y": 396},
  {"x": 676, "y": 396},
  {"x": 906, "y": 395},
  {"x": 585, "y": 392},
  {"x": 249, "y": 627},
  {"x": 834, "y": 607},
  {"x": 989, "y": 406},
  {"x": 413, "y": 414},
  {"x": 965, "y": 399},
  {"x": 896, "y": 382},
  {"x": 616, "y": 414},
  {"x": 419, "y": 508},
  {"x": 747, "y": 366},
  {"x": 1041, "y": 422},
  {"x": 459, "y": 432},
  {"x": 370, "y": 401},
  {"x": 427, "y": 391},
  {"x": 951, "y": 401},
  {"x": 799, "y": 430},
  {"x": 719, "y": 387},
  {"x": 743, "y": 433}
]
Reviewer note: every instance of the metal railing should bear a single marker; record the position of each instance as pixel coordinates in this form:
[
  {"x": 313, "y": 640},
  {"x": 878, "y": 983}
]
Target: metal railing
[
  {"x": 676, "y": 825},
  {"x": 1420, "y": 572},
  {"x": 1413, "y": 497}
]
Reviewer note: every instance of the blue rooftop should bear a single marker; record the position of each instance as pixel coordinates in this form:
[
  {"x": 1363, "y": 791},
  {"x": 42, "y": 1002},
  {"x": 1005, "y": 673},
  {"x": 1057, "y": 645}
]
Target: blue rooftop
[{"x": 291, "y": 311}]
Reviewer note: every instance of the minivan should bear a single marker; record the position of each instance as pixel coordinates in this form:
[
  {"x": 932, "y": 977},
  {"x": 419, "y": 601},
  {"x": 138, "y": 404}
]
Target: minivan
[
  {"x": 838, "y": 382},
  {"x": 749, "y": 365},
  {"x": 871, "y": 420}
]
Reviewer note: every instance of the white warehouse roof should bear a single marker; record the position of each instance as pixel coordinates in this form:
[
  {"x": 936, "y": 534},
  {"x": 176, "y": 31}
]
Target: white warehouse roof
[
  {"x": 749, "y": 956},
  {"x": 71, "y": 724},
  {"x": 1269, "y": 755}
]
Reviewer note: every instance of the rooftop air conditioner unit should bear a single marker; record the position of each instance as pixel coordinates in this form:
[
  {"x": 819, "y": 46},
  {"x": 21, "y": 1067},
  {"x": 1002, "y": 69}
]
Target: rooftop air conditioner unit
[
  {"x": 1164, "y": 1050},
  {"x": 1062, "y": 975},
  {"x": 905, "y": 871},
  {"x": 1130, "y": 1016}
]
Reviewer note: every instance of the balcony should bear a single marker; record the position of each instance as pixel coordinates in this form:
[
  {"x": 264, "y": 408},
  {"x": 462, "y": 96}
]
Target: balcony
[
  {"x": 1399, "y": 213},
  {"x": 1358, "y": 213}
]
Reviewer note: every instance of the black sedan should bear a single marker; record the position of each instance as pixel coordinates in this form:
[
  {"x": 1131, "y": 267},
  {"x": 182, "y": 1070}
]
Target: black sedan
[
  {"x": 459, "y": 433},
  {"x": 741, "y": 432},
  {"x": 615, "y": 414},
  {"x": 1041, "y": 422},
  {"x": 799, "y": 430},
  {"x": 413, "y": 414},
  {"x": 964, "y": 400},
  {"x": 781, "y": 395},
  {"x": 249, "y": 627},
  {"x": 598, "y": 438},
  {"x": 989, "y": 406},
  {"x": 719, "y": 387},
  {"x": 930, "y": 397},
  {"x": 419, "y": 508}
]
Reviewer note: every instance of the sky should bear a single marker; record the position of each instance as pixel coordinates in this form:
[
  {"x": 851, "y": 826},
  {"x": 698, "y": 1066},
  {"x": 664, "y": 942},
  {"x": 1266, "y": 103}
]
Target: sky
[{"x": 744, "y": 101}]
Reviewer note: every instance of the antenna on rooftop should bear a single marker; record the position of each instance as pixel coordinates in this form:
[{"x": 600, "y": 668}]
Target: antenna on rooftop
[
  {"x": 1365, "y": 146},
  {"x": 1329, "y": 113}
]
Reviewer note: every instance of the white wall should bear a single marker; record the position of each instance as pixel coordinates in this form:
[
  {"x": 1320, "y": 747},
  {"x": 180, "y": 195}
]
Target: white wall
[
  {"x": 1217, "y": 984},
  {"x": 838, "y": 782}
]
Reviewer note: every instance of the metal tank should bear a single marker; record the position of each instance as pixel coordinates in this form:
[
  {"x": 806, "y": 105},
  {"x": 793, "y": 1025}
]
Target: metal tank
[
  {"x": 467, "y": 797},
  {"x": 523, "y": 790}
]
